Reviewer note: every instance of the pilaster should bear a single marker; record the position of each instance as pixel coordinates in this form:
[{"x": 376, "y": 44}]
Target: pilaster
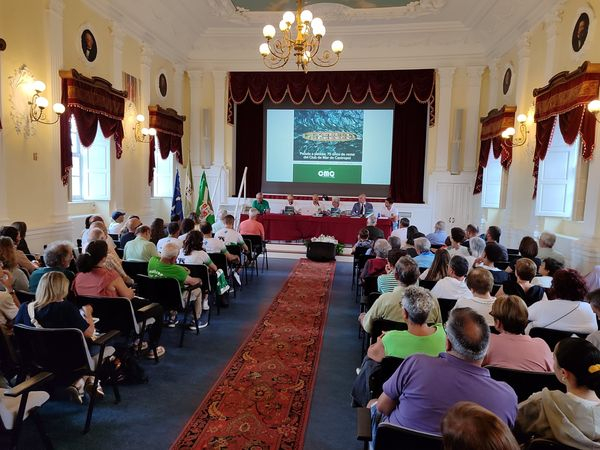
[
  {"x": 472, "y": 117},
  {"x": 443, "y": 105}
]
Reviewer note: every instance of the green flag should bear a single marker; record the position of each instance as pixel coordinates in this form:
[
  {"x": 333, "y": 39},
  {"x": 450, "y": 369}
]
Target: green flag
[
  {"x": 188, "y": 199},
  {"x": 204, "y": 208}
]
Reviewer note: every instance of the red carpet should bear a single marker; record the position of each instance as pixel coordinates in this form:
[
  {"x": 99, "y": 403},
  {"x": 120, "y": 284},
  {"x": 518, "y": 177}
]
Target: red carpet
[{"x": 262, "y": 399}]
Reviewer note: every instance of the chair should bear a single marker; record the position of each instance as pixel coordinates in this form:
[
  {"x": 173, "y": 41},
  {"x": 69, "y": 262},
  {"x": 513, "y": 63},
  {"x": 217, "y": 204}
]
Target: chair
[
  {"x": 79, "y": 244},
  {"x": 546, "y": 444},
  {"x": 427, "y": 284},
  {"x": 502, "y": 265},
  {"x": 135, "y": 268},
  {"x": 25, "y": 296},
  {"x": 257, "y": 247},
  {"x": 358, "y": 252},
  {"x": 64, "y": 352},
  {"x": 220, "y": 260},
  {"x": 552, "y": 337},
  {"x": 513, "y": 251},
  {"x": 382, "y": 373},
  {"x": 365, "y": 305},
  {"x": 377, "y": 327},
  {"x": 524, "y": 382},
  {"x": 362, "y": 261},
  {"x": 446, "y": 305},
  {"x": 201, "y": 271},
  {"x": 19, "y": 403},
  {"x": 495, "y": 289},
  {"x": 236, "y": 250},
  {"x": 423, "y": 269},
  {"x": 369, "y": 285}
]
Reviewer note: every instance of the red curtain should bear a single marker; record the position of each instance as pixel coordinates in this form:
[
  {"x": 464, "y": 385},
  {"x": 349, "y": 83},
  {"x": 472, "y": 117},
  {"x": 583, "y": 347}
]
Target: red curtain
[
  {"x": 169, "y": 131},
  {"x": 90, "y": 101},
  {"x": 249, "y": 146},
  {"x": 316, "y": 87}
]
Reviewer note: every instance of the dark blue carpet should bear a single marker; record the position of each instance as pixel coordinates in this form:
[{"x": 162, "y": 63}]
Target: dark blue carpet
[{"x": 151, "y": 416}]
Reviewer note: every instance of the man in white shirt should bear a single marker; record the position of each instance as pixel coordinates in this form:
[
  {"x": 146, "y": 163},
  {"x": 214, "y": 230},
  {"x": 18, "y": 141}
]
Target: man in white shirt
[
  {"x": 230, "y": 236},
  {"x": 219, "y": 224},
  {"x": 401, "y": 231},
  {"x": 388, "y": 209},
  {"x": 214, "y": 245},
  {"x": 547, "y": 241},
  {"x": 457, "y": 237},
  {"x": 173, "y": 230},
  {"x": 480, "y": 282},
  {"x": 454, "y": 286},
  {"x": 117, "y": 223}
]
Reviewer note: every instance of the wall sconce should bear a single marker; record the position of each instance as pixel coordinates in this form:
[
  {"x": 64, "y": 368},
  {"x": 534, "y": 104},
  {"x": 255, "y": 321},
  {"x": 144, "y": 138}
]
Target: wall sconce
[
  {"x": 38, "y": 105},
  {"x": 509, "y": 133},
  {"x": 143, "y": 134},
  {"x": 594, "y": 108}
]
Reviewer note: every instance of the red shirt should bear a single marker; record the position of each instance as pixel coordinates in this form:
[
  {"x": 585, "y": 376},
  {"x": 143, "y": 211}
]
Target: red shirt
[
  {"x": 252, "y": 227},
  {"x": 96, "y": 283}
]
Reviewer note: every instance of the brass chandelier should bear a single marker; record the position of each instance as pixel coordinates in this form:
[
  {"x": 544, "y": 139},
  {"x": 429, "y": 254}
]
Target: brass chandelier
[{"x": 304, "y": 46}]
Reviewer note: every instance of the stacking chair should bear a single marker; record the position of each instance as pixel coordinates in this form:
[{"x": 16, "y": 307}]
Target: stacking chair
[
  {"x": 377, "y": 327},
  {"x": 524, "y": 382},
  {"x": 250, "y": 260},
  {"x": 79, "y": 244},
  {"x": 257, "y": 247},
  {"x": 135, "y": 268},
  {"x": 552, "y": 337},
  {"x": 19, "y": 403},
  {"x": 446, "y": 305},
  {"x": 427, "y": 284},
  {"x": 502, "y": 265},
  {"x": 365, "y": 305},
  {"x": 220, "y": 260},
  {"x": 236, "y": 250},
  {"x": 25, "y": 296},
  {"x": 201, "y": 271},
  {"x": 358, "y": 252},
  {"x": 513, "y": 251},
  {"x": 362, "y": 260},
  {"x": 382, "y": 373},
  {"x": 369, "y": 285},
  {"x": 64, "y": 352},
  {"x": 495, "y": 289},
  {"x": 546, "y": 444}
]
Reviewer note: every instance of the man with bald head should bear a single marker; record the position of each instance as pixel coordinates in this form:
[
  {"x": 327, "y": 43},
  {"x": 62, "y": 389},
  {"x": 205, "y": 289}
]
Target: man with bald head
[
  {"x": 131, "y": 225},
  {"x": 423, "y": 388}
]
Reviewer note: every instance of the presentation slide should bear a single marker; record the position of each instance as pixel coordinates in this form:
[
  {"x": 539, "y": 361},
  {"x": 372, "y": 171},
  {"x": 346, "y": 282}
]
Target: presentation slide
[{"x": 332, "y": 146}]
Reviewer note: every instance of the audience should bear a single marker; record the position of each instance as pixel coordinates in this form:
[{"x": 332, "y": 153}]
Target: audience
[
  {"x": 546, "y": 248},
  {"x": 592, "y": 279},
  {"x": 395, "y": 242},
  {"x": 173, "y": 230},
  {"x": 439, "y": 266},
  {"x": 512, "y": 348},
  {"x": 547, "y": 270},
  {"x": 220, "y": 223},
  {"x": 453, "y": 286},
  {"x": 9, "y": 303},
  {"x": 20, "y": 258},
  {"x": 491, "y": 255},
  {"x": 457, "y": 237},
  {"x": 388, "y": 282},
  {"x": 215, "y": 245},
  {"x": 89, "y": 220},
  {"x": 471, "y": 231},
  {"x": 476, "y": 249},
  {"x": 187, "y": 225},
  {"x": 229, "y": 235},
  {"x": 528, "y": 248},
  {"x": 8, "y": 260},
  {"x": 252, "y": 226},
  {"x": 374, "y": 232},
  {"x": 157, "y": 230},
  {"x": 570, "y": 418},
  {"x": 131, "y": 226},
  {"x": 102, "y": 227},
  {"x": 424, "y": 256},
  {"x": 140, "y": 248},
  {"x": 567, "y": 310},
  {"x": 402, "y": 230},
  {"x": 439, "y": 235},
  {"x": 363, "y": 241},
  {"x": 113, "y": 262},
  {"x": 493, "y": 236},
  {"x": 468, "y": 426},
  {"x": 480, "y": 282},
  {"x": 57, "y": 257},
  {"x": 117, "y": 223},
  {"x": 525, "y": 270},
  {"x": 594, "y": 300},
  {"x": 377, "y": 266},
  {"x": 423, "y": 388},
  {"x": 22, "y": 244}
]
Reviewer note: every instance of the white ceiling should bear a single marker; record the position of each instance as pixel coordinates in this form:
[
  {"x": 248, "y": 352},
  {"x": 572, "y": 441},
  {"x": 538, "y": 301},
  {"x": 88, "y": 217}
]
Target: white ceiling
[{"x": 211, "y": 34}]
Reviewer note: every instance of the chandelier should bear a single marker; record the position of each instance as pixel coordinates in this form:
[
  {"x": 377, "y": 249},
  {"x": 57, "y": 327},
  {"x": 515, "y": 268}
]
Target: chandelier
[{"x": 304, "y": 46}]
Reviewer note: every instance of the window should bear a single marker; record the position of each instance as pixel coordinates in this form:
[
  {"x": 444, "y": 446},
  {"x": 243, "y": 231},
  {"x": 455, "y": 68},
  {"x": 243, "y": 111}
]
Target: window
[
  {"x": 90, "y": 175},
  {"x": 558, "y": 180},
  {"x": 162, "y": 186},
  {"x": 493, "y": 175}
]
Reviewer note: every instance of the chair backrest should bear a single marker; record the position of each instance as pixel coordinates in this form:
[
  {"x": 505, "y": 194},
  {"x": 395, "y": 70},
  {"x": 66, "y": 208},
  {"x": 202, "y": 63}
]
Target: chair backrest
[
  {"x": 380, "y": 325},
  {"x": 256, "y": 243},
  {"x": 25, "y": 296},
  {"x": 552, "y": 337},
  {"x": 219, "y": 260},
  {"x": 234, "y": 249},
  {"x": 135, "y": 268},
  {"x": 502, "y": 265},
  {"x": 371, "y": 298},
  {"x": 512, "y": 251},
  {"x": 358, "y": 252},
  {"x": 199, "y": 271},
  {"x": 427, "y": 284},
  {"x": 495, "y": 289},
  {"x": 546, "y": 444},
  {"x": 362, "y": 260},
  {"x": 526, "y": 383},
  {"x": 115, "y": 313},
  {"x": 393, "y": 437},
  {"x": 382, "y": 373},
  {"x": 369, "y": 285},
  {"x": 165, "y": 291},
  {"x": 446, "y": 305},
  {"x": 57, "y": 350}
]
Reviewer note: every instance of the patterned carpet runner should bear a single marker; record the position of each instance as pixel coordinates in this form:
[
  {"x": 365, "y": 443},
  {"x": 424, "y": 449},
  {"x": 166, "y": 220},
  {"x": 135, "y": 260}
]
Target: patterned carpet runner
[{"x": 262, "y": 399}]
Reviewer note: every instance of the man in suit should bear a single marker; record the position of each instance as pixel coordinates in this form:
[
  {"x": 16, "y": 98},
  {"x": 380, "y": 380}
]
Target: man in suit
[{"x": 362, "y": 207}]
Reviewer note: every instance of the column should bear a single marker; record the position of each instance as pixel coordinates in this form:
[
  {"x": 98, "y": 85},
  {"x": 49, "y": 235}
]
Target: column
[
  {"x": 220, "y": 116},
  {"x": 493, "y": 67},
  {"x": 54, "y": 38},
  {"x": 443, "y": 104},
  {"x": 472, "y": 127},
  {"x": 3, "y": 177},
  {"x": 146, "y": 83},
  {"x": 552, "y": 21},
  {"x": 195, "y": 77},
  {"x": 178, "y": 88},
  {"x": 117, "y": 198}
]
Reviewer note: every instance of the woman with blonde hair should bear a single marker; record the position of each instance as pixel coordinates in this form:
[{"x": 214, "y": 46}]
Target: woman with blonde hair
[{"x": 8, "y": 259}]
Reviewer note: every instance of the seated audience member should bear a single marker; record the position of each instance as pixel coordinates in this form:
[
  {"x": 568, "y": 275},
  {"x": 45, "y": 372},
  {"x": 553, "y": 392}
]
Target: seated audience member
[
  {"x": 187, "y": 225},
  {"x": 570, "y": 418},
  {"x": 424, "y": 387},
  {"x": 260, "y": 204},
  {"x": 22, "y": 245},
  {"x": 547, "y": 270},
  {"x": 468, "y": 426},
  {"x": 491, "y": 255},
  {"x": 388, "y": 282},
  {"x": 362, "y": 207},
  {"x": 101, "y": 226},
  {"x": 252, "y": 226},
  {"x": 9, "y": 303},
  {"x": 457, "y": 237},
  {"x": 131, "y": 225},
  {"x": 113, "y": 262},
  {"x": 546, "y": 248},
  {"x": 363, "y": 241},
  {"x": 220, "y": 224},
  {"x": 480, "y": 282},
  {"x": 157, "y": 230},
  {"x": 471, "y": 231},
  {"x": 117, "y": 223},
  {"x": 568, "y": 310},
  {"x": 173, "y": 230},
  {"x": 20, "y": 258},
  {"x": 401, "y": 230},
  {"x": 389, "y": 305},
  {"x": 453, "y": 285},
  {"x": 594, "y": 300},
  {"x": 8, "y": 260},
  {"x": 215, "y": 245},
  {"x": 140, "y": 249},
  {"x": 388, "y": 209},
  {"x": 439, "y": 266},
  {"x": 476, "y": 248},
  {"x": 229, "y": 235},
  {"x": 94, "y": 279},
  {"x": 592, "y": 279},
  {"x": 439, "y": 235},
  {"x": 376, "y": 266},
  {"x": 335, "y": 209},
  {"x": 528, "y": 248},
  {"x": 57, "y": 257},
  {"x": 525, "y": 270},
  {"x": 374, "y": 232},
  {"x": 50, "y": 310},
  {"x": 410, "y": 242},
  {"x": 88, "y": 223},
  {"x": 394, "y": 242},
  {"x": 512, "y": 348},
  {"x": 493, "y": 235},
  {"x": 424, "y": 256}
]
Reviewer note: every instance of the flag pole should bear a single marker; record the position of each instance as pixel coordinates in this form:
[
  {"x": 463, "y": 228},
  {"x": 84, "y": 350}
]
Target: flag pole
[{"x": 242, "y": 187}]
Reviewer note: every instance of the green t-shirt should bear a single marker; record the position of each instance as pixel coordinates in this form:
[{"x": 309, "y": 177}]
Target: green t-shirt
[
  {"x": 264, "y": 205},
  {"x": 158, "y": 269},
  {"x": 402, "y": 344}
]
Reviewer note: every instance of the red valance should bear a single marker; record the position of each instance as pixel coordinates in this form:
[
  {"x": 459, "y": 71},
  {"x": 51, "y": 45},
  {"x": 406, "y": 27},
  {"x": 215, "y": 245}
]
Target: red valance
[
  {"x": 566, "y": 96},
  {"x": 90, "y": 101},
  {"x": 318, "y": 87},
  {"x": 169, "y": 131},
  {"x": 492, "y": 127}
]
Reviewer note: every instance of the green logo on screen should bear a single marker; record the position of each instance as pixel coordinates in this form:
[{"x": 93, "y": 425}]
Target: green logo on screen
[{"x": 326, "y": 173}]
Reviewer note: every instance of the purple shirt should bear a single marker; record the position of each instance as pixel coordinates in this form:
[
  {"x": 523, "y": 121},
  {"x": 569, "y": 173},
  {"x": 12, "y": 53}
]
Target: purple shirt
[{"x": 426, "y": 387}]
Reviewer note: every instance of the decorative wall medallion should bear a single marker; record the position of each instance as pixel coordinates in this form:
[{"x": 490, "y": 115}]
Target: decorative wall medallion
[
  {"x": 506, "y": 81},
  {"x": 89, "y": 47},
  {"x": 580, "y": 32},
  {"x": 19, "y": 94},
  {"x": 162, "y": 84}
]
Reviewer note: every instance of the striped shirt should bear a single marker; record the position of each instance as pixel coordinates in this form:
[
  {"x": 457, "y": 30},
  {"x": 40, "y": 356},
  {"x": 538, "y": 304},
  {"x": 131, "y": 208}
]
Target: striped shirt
[{"x": 386, "y": 283}]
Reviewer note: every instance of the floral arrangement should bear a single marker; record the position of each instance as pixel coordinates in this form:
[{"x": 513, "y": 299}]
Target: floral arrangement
[{"x": 339, "y": 248}]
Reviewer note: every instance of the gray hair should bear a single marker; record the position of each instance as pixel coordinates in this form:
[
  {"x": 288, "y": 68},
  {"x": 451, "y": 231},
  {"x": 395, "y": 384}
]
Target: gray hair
[
  {"x": 372, "y": 220},
  {"x": 335, "y": 199},
  {"x": 418, "y": 303},
  {"x": 170, "y": 250},
  {"x": 253, "y": 212},
  {"x": 468, "y": 333},
  {"x": 548, "y": 239},
  {"x": 222, "y": 213},
  {"x": 381, "y": 248},
  {"x": 56, "y": 253},
  {"x": 422, "y": 244},
  {"x": 476, "y": 246},
  {"x": 395, "y": 241},
  {"x": 440, "y": 225}
]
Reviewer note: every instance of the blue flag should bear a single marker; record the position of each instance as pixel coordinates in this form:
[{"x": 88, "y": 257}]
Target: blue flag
[{"x": 176, "y": 205}]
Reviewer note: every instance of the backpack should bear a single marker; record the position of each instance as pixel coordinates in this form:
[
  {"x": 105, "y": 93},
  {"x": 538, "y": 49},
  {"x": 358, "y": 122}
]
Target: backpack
[{"x": 123, "y": 368}]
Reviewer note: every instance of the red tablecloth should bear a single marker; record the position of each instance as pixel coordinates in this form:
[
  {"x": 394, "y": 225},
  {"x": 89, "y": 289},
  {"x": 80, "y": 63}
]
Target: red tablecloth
[{"x": 281, "y": 227}]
